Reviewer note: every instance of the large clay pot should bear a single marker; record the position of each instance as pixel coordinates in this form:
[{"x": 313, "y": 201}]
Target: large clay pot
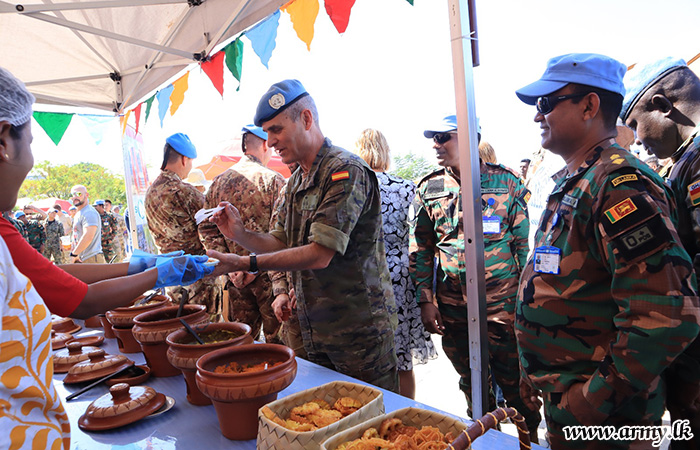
[
  {"x": 184, "y": 351},
  {"x": 93, "y": 322},
  {"x": 238, "y": 396},
  {"x": 151, "y": 328},
  {"x": 125, "y": 339},
  {"x": 124, "y": 315}
]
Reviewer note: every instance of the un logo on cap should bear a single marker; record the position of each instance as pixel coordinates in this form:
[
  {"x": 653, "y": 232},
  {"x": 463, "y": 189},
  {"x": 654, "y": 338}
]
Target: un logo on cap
[{"x": 277, "y": 101}]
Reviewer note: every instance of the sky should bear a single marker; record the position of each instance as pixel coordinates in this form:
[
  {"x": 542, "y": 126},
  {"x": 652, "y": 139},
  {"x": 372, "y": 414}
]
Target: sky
[{"x": 392, "y": 70}]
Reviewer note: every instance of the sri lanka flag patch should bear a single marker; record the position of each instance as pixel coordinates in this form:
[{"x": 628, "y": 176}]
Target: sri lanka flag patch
[
  {"x": 694, "y": 193},
  {"x": 344, "y": 175},
  {"x": 622, "y": 209}
]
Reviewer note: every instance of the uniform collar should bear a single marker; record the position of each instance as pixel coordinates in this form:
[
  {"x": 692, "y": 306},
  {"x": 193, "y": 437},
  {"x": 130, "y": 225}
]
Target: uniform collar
[
  {"x": 563, "y": 177},
  {"x": 310, "y": 179},
  {"x": 250, "y": 158},
  {"x": 684, "y": 146},
  {"x": 170, "y": 174}
]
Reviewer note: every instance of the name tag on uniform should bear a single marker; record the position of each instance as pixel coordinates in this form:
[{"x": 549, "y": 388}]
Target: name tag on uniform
[
  {"x": 491, "y": 225},
  {"x": 547, "y": 260}
]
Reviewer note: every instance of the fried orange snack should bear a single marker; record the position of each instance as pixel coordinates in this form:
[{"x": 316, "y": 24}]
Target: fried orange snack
[{"x": 347, "y": 405}]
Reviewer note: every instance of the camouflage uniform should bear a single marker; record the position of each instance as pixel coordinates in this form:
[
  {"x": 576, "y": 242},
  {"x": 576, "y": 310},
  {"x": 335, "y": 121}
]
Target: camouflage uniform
[
  {"x": 253, "y": 189},
  {"x": 17, "y": 224},
  {"x": 121, "y": 237},
  {"x": 438, "y": 229},
  {"x": 36, "y": 235},
  {"x": 109, "y": 234},
  {"x": 170, "y": 208},
  {"x": 622, "y": 306},
  {"x": 52, "y": 247},
  {"x": 346, "y": 311}
]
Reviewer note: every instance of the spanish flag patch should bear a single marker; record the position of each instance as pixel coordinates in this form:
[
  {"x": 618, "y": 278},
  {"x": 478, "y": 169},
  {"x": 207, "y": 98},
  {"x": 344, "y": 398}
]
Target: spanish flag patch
[
  {"x": 344, "y": 175},
  {"x": 622, "y": 209},
  {"x": 694, "y": 193}
]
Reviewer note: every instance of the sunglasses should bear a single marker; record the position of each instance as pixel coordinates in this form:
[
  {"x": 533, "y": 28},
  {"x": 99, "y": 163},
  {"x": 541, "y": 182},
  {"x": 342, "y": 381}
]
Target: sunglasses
[
  {"x": 545, "y": 105},
  {"x": 441, "y": 138},
  {"x": 76, "y": 194}
]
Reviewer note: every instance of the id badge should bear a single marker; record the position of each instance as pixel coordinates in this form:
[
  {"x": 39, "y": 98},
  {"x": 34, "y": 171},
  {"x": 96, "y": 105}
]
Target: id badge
[
  {"x": 547, "y": 260},
  {"x": 491, "y": 225}
]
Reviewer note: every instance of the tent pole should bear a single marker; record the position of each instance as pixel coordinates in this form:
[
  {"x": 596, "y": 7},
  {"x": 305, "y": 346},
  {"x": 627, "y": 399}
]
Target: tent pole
[{"x": 460, "y": 33}]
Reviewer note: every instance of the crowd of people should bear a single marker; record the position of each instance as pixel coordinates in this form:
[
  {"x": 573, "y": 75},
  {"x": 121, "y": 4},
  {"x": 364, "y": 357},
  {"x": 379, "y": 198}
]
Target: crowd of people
[{"x": 594, "y": 322}]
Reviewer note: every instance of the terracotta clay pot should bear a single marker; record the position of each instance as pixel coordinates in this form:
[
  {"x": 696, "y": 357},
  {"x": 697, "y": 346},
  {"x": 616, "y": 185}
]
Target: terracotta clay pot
[
  {"x": 64, "y": 325},
  {"x": 99, "y": 364},
  {"x": 109, "y": 334},
  {"x": 122, "y": 406},
  {"x": 238, "y": 396},
  {"x": 125, "y": 340},
  {"x": 153, "y": 327},
  {"x": 58, "y": 340},
  {"x": 93, "y": 322},
  {"x": 184, "y": 351},
  {"x": 124, "y": 316},
  {"x": 75, "y": 352}
]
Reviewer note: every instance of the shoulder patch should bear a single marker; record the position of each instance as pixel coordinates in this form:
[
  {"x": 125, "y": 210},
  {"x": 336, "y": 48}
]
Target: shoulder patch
[
  {"x": 344, "y": 175},
  {"x": 622, "y": 209},
  {"x": 694, "y": 192},
  {"x": 623, "y": 178},
  {"x": 435, "y": 189}
]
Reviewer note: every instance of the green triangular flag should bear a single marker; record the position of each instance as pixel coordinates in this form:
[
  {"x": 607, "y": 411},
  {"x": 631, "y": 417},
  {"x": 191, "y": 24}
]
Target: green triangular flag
[
  {"x": 410, "y": 1},
  {"x": 54, "y": 124},
  {"x": 234, "y": 59},
  {"x": 149, "y": 102}
]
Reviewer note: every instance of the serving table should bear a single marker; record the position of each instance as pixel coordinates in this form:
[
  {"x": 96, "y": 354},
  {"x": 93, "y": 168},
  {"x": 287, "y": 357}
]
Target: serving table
[{"x": 187, "y": 426}]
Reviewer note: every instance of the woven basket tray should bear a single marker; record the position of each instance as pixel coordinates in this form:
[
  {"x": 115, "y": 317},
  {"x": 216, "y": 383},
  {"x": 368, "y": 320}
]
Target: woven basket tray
[
  {"x": 410, "y": 416},
  {"x": 273, "y": 436}
]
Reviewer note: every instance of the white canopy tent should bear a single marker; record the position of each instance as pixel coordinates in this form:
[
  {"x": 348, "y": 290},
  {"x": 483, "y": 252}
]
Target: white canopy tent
[{"x": 111, "y": 54}]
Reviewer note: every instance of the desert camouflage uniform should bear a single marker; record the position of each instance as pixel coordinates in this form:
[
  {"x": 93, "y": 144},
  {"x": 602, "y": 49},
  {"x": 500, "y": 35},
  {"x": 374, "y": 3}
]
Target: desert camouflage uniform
[
  {"x": 253, "y": 189},
  {"x": 170, "y": 208},
  {"x": 623, "y": 306},
  {"x": 346, "y": 311},
  {"x": 52, "y": 247},
  {"x": 122, "y": 235},
  {"x": 109, "y": 234},
  {"x": 438, "y": 229},
  {"x": 36, "y": 235}
]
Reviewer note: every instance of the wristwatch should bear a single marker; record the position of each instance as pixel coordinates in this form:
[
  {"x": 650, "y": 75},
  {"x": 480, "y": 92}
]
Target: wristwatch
[{"x": 253, "y": 263}]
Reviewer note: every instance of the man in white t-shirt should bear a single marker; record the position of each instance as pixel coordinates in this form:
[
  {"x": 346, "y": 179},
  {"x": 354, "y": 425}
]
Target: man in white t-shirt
[{"x": 87, "y": 229}]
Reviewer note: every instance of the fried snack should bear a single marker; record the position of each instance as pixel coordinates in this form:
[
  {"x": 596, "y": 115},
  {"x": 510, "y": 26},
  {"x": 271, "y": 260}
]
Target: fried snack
[
  {"x": 322, "y": 403},
  {"x": 347, "y": 405},
  {"x": 394, "y": 435},
  {"x": 449, "y": 437},
  {"x": 427, "y": 434},
  {"x": 389, "y": 426},
  {"x": 296, "y": 426},
  {"x": 270, "y": 414},
  {"x": 368, "y": 444},
  {"x": 405, "y": 442},
  {"x": 302, "y": 414},
  {"x": 370, "y": 433},
  {"x": 325, "y": 417},
  {"x": 433, "y": 445}
]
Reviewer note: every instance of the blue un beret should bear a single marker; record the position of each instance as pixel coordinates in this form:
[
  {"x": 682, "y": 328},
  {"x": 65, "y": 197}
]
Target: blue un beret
[
  {"x": 255, "y": 130},
  {"x": 278, "y": 98},
  {"x": 643, "y": 76},
  {"x": 19, "y": 214},
  {"x": 99, "y": 203},
  {"x": 589, "y": 69},
  {"x": 449, "y": 123},
  {"x": 182, "y": 144}
]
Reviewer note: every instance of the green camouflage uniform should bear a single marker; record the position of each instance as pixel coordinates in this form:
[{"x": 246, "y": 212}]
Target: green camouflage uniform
[
  {"x": 438, "y": 230},
  {"x": 52, "y": 247},
  {"x": 36, "y": 235},
  {"x": 253, "y": 189},
  {"x": 170, "y": 208},
  {"x": 346, "y": 311},
  {"x": 17, "y": 224},
  {"x": 121, "y": 237},
  {"x": 623, "y": 305},
  {"x": 109, "y": 234}
]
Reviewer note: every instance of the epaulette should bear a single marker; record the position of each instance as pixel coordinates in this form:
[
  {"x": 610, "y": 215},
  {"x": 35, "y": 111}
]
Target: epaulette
[
  {"x": 505, "y": 168},
  {"x": 431, "y": 174}
]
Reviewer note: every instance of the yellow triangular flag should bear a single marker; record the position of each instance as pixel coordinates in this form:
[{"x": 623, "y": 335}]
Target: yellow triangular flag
[
  {"x": 178, "y": 96},
  {"x": 124, "y": 120},
  {"x": 303, "y": 14}
]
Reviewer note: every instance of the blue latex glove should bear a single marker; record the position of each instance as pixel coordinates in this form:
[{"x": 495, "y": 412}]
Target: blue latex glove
[
  {"x": 141, "y": 260},
  {"x": 181, "y": 270}
]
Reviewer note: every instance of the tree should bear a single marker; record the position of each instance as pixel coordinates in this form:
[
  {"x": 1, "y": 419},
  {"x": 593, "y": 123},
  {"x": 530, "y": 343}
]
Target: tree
[
  {"x": 47, "y": 180},
  {"x": 412, "y": 167}
]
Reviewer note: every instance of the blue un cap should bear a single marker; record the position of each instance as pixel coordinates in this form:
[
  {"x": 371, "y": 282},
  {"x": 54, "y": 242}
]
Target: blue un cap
[
  {"x": 590, "y": 69},
  {"x": 278, "y": 98},
  {"x": 182, "y": 144},
  {"x": 449, "y": 123},
  {"x": 642, "y": 77},
  {"x": 99, "y": 203},
  {"x": 255, "y": 130},
  {"x": 19, "y": 214}
]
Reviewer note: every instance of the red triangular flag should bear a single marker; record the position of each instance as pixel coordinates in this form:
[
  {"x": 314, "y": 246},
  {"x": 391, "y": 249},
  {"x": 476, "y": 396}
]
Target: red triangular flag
[
  {"x": 137, "y": 113},
  {"x": 214, "y": 68},
  {"x": 339, "y": 12}
]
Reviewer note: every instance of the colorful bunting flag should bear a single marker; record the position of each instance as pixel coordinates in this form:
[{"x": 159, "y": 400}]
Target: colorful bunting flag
[
  {"x": 164, "y": 102},
  {"x": 262, "y": 36},
  {"x": 96, "y": 125},
  {"x": 234, "y": 59},
  {"x": 137, "y": 116},
  {"x": 303, "y": 14},
  {"x": 178, "y": 95},
  {"x": 54, "y": 124},
  {"x": 214, "y": 68},
  {"x": 124, "y": 120},
  {"x": 149, "y": 103},
  {"x": 410, "y": 1},
  {"x": 339, "y": 12}
]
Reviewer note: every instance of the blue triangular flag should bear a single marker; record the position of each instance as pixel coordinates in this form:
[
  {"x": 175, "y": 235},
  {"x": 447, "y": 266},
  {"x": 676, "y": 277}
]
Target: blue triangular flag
[
  {"x": 164, "y": 102},
  {"x": 262, "y": 36}
]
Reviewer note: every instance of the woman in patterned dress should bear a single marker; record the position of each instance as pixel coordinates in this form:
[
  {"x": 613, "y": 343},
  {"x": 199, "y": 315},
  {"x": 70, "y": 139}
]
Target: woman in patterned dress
[{"x": 410, "y": 340}]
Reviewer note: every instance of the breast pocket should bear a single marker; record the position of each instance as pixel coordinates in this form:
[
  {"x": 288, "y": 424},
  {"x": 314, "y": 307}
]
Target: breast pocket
[{"x": 444, "y": 208}]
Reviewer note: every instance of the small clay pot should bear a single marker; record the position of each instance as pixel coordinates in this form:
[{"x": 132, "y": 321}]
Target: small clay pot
[
  {"x": 132, "y": 376},
  {"x": 124, "y": 316},
  {"x": 64, "y": 325},
  {"x": 125, "y": 340},
  {"x": 99, "y": 365},
  {"x": 184, "y": 351},
  {"x": 93, "y": 322},
  {"x": 58, "y": 340},
  {"x": 238, "y": 396},
  {"x": 109, "y": 333},
  {"x": 122, "y": 406},
  {"x": 95, "y": 340},
  {"x": 153, "y": 327},
  {"x": 75, "y": 352}
]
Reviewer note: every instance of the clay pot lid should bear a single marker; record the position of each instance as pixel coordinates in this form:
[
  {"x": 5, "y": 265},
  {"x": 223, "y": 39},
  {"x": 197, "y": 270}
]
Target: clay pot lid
[
  {"x": 58, "y": 340},
  {"x": 99, "y": 365},
  {"x": 132, "y": 376},
  {"x": 123, "y": 405},
  {"x": 64, "y": 325},
  {"x": 95, "y": 340},
  {"x": 70, "y": 356}
]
